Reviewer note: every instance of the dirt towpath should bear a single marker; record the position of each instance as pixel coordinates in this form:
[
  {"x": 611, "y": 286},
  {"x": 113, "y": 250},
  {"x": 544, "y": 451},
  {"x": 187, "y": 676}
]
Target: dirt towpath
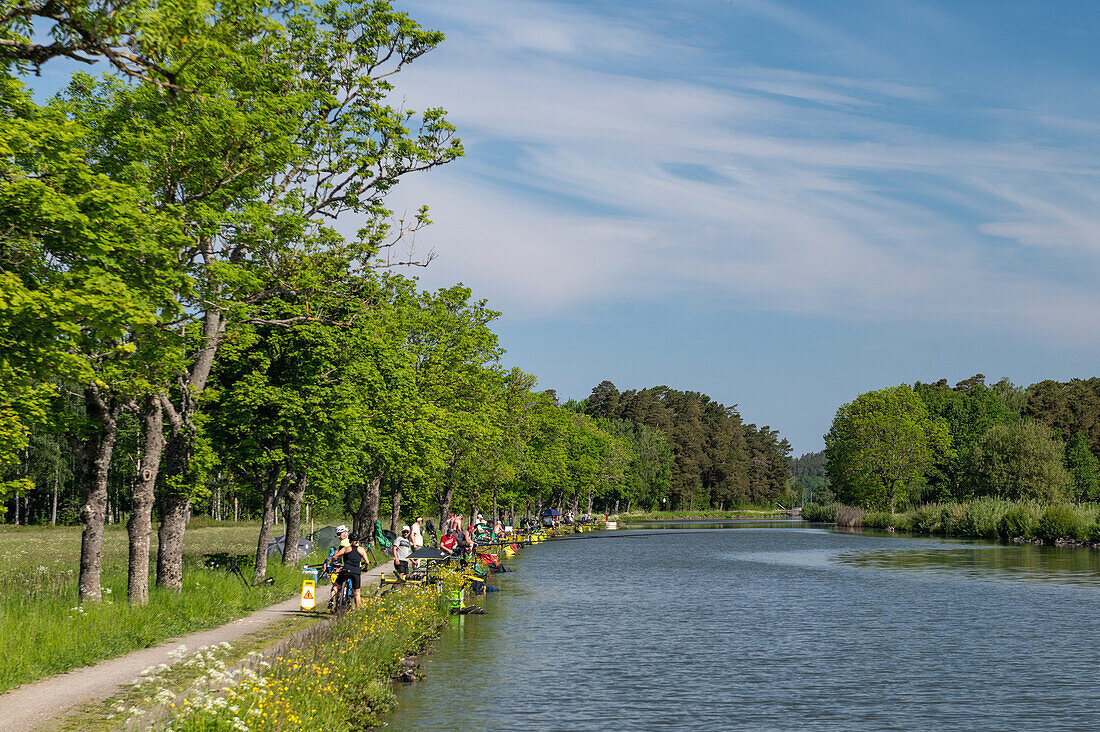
[{"x": 35, "y": 705}]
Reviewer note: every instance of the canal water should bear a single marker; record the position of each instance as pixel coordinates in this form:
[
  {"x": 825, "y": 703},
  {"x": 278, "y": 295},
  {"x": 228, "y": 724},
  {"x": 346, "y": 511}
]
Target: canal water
[{"x": 771, "y": 626}]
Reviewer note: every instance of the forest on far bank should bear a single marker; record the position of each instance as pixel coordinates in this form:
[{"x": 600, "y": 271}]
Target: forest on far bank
[{"x": 909, "y": 445}]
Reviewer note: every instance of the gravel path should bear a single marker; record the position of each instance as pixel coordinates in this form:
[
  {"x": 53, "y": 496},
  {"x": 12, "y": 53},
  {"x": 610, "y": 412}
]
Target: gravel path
[{"x": 35, "y": 705}]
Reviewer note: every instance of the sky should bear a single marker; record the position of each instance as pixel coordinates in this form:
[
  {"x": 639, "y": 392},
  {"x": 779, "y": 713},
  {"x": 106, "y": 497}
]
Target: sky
[{"x": 780, "y": 204}]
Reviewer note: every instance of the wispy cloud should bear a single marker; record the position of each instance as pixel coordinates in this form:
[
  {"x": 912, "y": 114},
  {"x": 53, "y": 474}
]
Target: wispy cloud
[{"x": 845, "y": 196}]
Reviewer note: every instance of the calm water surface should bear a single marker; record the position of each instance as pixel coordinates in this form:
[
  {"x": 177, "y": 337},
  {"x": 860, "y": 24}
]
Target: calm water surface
[{"x": 774, "y": 625}]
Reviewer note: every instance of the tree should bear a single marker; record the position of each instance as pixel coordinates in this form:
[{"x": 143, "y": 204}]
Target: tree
[
  {"x": 89, "y": 267},
  {"x": 1020, "y": 461},
  {"x": 970, "y": 409},
  {"x": 1083, "y": 468},
  {"x": 281, "y": 125},
  {"x": 880, "y": 446}
]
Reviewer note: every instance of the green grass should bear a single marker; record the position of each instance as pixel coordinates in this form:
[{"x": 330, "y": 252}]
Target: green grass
[{"x": 43, "y": 631}]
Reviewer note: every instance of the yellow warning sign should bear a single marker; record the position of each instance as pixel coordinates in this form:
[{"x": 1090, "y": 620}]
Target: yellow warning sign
[{"x": 308, "y": 601}]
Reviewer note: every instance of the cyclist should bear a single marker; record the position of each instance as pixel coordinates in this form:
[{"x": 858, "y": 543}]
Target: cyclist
[
  {"x": 353, "y": 557},
  {"x": 342, "y": 541}
]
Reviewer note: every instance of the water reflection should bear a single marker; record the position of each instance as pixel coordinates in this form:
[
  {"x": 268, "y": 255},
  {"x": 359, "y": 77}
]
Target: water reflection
[
  {"x": 719, "y": 524},
  {"x": 992, "y": 562}
]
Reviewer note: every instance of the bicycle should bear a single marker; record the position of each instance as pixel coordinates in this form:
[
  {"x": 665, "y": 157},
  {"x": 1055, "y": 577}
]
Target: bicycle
[{"x": 342, "y": 596}]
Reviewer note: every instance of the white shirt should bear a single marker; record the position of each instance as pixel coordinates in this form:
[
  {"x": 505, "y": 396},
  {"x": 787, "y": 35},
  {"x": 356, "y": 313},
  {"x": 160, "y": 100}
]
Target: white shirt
[{"x": 401, "y": 549}]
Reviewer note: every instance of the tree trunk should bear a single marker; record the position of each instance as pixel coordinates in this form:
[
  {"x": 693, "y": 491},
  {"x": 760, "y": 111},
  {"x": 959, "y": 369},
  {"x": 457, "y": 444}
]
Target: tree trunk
[
  {"x": 175, "y": 509},
  {"x": 294, "y": 520},
  {"x": 236, "y": 509},
  {"x": 496, "y": 510},
  {"x": 445, "y": 503},
  {"x": 140, "y": 526},
  {"x": 53, "y": 503},
  {"x": 93, "y": 513},
  {"x": 272, "y": 491},
  {"x": 177, "y": 506},
  {"x": 367, "y": 514},
  {"x": 589, "y": 511},
  {"x": 395, "y": 519}
]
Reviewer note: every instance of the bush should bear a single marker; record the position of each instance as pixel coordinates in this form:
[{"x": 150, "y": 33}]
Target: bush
[
  {"x": 951, "y": 518},
  {"x": 1019, "y": 520},
  {"x": 980, "y": 518},
  {"x": 817, "y": 512},
  {"x": 1088, "y": 521},
  {"x": 878, "y": 520},
  {"x": 1057, "y": 522},
  {"x": 850, "y": 516},
  {"x": 927, "y": 519}
]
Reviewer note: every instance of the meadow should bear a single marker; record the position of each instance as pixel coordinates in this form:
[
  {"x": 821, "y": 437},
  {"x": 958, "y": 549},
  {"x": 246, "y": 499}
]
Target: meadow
[{"x": 44, "y": 631}]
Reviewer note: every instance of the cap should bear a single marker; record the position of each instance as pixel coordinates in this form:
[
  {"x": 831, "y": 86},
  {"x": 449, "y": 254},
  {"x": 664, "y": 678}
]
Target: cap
[{"x": 406, "y": 528}]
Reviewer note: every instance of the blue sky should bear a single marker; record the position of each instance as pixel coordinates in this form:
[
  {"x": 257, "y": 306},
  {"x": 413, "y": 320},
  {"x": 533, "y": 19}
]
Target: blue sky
[{"x": 781, "y": 204}]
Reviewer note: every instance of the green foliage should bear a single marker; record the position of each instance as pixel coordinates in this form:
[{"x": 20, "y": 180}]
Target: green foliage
[
  {"x": 1020, "y": 520},
  {"x": 1083, "y": 468},
  {"x": 1058, "y": 521},
  {"x": 1020, "y": 461},
  {"x": 717, "y": 460},
  {"x": 1067, "y": 407},
  {"x": 981, "y": 518},
  {"x": 969, "y": 410},
  {"x": 880, "y": 446},
  {"x": 824, "y": 513},
  {"x": 887, "y": 520},
  {"x": 927, "y": 519}
]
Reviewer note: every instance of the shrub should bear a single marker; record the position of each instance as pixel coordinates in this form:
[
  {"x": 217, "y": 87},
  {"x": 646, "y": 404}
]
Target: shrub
[
  {"x": 1088, "y": 521},
  {"x": 1019, "y": 520},
  {"x": 980, "y": 517},
  {"x": 1057, "y": 522},
  {"x": 927, "y": 519},
  {"x": 951, "y": 518},
  {"x": 849, "y": 516},
  {"x": 878, "y": 520},
  {"x": 825, "y": 514}
]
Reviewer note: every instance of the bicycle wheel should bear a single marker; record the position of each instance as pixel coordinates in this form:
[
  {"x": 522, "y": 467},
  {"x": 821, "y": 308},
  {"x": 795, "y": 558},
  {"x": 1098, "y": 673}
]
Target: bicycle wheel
[{"x": 343, "y": 599}]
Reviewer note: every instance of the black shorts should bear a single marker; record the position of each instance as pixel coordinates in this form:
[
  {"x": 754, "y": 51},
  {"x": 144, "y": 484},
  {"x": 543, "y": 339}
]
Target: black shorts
[
  {"x": 353, "y": 577},
  {"x": 401, "y": 567}
]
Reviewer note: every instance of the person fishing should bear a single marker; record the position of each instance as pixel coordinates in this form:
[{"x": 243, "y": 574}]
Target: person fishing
[
  {"x": 353, "y": 556},
  {"x": 402, "y": 548}
]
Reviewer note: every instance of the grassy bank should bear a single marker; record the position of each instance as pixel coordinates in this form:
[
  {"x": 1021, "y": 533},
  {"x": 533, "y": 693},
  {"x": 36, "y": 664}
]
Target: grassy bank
[
  {"x": 339, "y": 680},
  {"x": 988, "y": 518},
  {"x": 755, "y": 512},
  {"x": 43, "y": 631}
]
